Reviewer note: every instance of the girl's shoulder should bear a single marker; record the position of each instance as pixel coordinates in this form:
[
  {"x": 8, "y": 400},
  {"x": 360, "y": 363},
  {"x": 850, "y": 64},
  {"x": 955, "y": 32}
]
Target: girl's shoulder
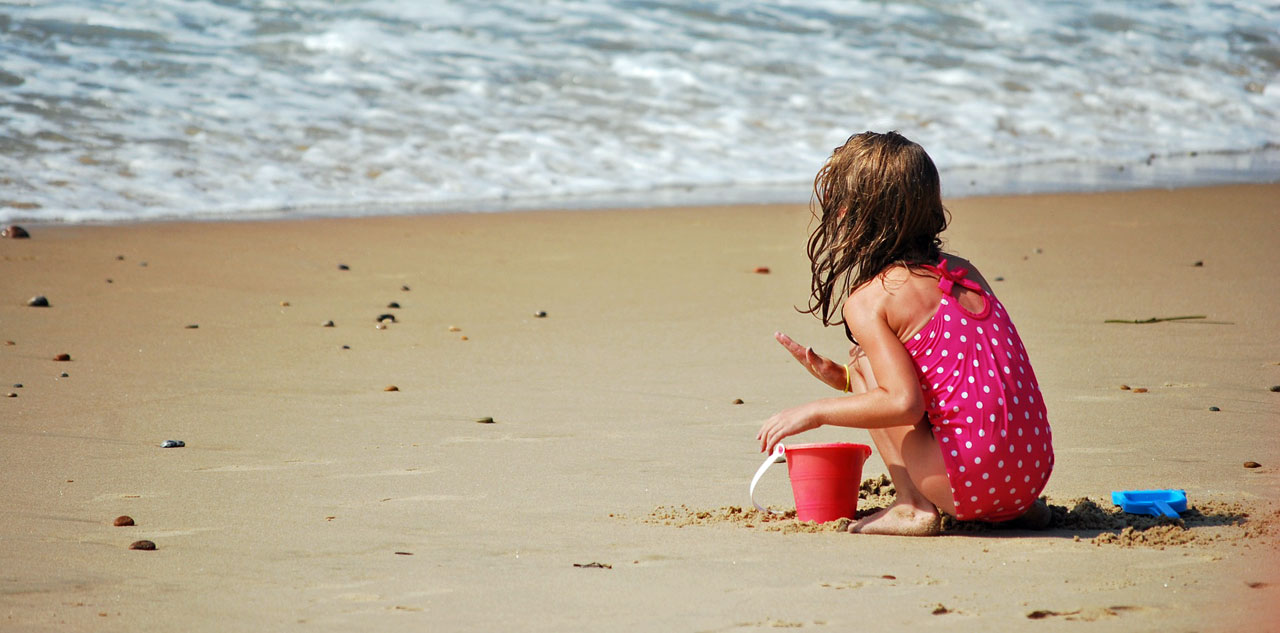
[{"x": 898, "y": 290}]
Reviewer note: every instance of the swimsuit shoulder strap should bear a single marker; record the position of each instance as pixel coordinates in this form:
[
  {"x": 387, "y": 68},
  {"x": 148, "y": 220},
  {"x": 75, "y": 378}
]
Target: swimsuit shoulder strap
[{"x": 948, "y": 278}]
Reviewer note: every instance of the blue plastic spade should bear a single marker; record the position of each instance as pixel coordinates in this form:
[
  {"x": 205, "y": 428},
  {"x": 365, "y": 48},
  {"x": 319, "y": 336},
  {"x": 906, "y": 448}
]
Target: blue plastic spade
[{"x": 1170, "y": 503}]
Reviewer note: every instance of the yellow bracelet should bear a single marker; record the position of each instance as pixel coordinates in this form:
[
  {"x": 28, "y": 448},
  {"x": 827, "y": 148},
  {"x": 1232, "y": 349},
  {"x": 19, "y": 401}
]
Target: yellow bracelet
[{"x": 848, "y": 380}]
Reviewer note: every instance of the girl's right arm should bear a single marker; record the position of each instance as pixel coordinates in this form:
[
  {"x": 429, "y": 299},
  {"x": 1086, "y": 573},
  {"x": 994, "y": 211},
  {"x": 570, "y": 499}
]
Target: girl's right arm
[{"x": 896, "y": 399}]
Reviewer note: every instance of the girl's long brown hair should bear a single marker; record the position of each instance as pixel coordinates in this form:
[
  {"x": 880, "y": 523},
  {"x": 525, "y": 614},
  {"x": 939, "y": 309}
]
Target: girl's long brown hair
[{"x": 878, "y": 203}]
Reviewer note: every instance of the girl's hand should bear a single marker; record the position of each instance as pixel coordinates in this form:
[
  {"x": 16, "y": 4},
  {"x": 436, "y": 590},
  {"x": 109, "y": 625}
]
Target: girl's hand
[
  {"x": 828, "y": 371},
  {"x": 785, "y": 424}
]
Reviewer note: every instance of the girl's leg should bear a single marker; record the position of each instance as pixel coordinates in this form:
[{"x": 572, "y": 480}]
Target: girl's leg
[{"x": 915, "y": 465}]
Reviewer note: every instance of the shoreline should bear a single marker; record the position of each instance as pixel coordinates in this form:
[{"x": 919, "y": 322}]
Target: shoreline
[
  {"x": 608, "y": 349},
  {"x": 1158, "y": 173}
]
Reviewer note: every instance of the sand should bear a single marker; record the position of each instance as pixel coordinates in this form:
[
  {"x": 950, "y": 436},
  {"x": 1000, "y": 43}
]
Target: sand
[{"x": 608, "y": 350}]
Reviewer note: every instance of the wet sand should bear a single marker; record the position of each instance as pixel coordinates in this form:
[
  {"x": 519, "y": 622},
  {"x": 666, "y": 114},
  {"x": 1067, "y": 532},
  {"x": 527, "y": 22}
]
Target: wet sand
[{"x": 608, "y": 349}]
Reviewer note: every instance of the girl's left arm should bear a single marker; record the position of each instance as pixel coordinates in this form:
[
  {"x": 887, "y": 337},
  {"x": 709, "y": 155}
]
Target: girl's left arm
[{"x": 896, "y": 398}]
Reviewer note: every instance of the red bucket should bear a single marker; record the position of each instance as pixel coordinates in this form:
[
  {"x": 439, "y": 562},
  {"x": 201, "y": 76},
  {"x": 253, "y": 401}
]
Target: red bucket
[{"x": 824, "y": 478}]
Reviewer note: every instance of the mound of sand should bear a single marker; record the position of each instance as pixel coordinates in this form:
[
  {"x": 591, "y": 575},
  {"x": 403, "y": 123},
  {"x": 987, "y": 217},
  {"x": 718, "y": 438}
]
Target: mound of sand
[{"x": 1100, "y": 522}]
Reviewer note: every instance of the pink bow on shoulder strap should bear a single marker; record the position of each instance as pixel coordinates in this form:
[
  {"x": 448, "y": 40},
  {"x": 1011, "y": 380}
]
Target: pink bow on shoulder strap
[{"x": 948, "y": 278}]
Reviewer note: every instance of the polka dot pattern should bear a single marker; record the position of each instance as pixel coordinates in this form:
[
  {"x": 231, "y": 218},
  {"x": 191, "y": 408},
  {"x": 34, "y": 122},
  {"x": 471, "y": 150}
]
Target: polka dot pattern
[{"x": 984, "y": 399}]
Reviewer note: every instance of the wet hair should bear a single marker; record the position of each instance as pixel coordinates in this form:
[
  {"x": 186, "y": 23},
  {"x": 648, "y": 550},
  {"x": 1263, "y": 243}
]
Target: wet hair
[{"x": 878, "y": 203}]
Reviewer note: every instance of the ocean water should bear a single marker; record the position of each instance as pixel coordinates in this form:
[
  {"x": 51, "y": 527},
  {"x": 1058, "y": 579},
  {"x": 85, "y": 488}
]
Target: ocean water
[{"x": 115, "y": 110}]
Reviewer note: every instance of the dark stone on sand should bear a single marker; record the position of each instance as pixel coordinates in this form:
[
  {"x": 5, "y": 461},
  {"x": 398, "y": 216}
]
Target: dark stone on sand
[
  {"x": 143, "y": 545},
  {"x": 173, "y": 444},
  {"x": 1140, "y": 390},
  {"x": 65, "y": 375},
  {"x": 142, "y": 264},
  {"x": 15, "y": 343},
  {"x": 1214, "y": 409},
  {"x": 404, "y": 288},
  {"x": 404, "y": 553},
  {"x": 761, "y": 270},
  {"x": 346, "y": 347},
  {"x": 119, "y": 258},
  {"x": 62, "y": 357},
  {"x": 541, "y": 314},
  {"x": 386, "y": 317},
  {"x": 17, "y": 385},
  {"x": 1275, "y": 388},
  {"x": 110, "y": 281},
  {"x": 328, "y": 324},
  {"x": 738, "y": 401},
  {"x": 193, "y": 326},
  {"x": 1252, "y": 465},
  {"x": 1198, "y": 264},
  {"x": 123, "y": 521},
  {"x": 14, "y": 231},
  {"x": 38, "y": 301},
  {"x": 393, "y": 305},
  {"x": 484, "y": 420},
  {"x": 999, "y": 278},
  {"x": 391, "y": 388},
  {"x": 11, "y": 395},
  {"x": 343, "y": 267}
]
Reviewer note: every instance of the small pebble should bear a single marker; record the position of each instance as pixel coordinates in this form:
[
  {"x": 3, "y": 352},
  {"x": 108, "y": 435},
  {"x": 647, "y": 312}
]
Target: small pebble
[
  {"x": 999, "y": 278},
  {"x": 65, "y": 375},
  {"x": 110, "y": 281},
  {"x": 454, "y": 328},
  {"x": 123, "y": 520},
  {"x": 484, "y": 420},
  {"x": 1274, "y": 388},
  {"x": 380, "y": 326},
  {"x": 193, "y": 326},
  {"x": 1124, "y": 387},
  {"x": 404, "y": 288},
  {"x": 1252, "y": 465},
  {"x": 38, "y": 301},
  {"x": 327, "y": 324},
  {"x": 119, "y": 258},
  {"x": 1214, "y": 409},
  {"x": 346, "y": 347},
  {"x": 143, "y": 545},
  {"x": 173, "y": 444},
  {"x": 404, "y": 553},
  {"x": 541, "y": 314},
  {"x": 1198, "y": 264},
  {"x": 761, "y": 270},
  {"x": 142, "y": 264},
  {"x": 343, "y": 267},
  {"x": 11, "y": 395},
  {"x": 393, "y": 305},
  {"x": 463, "y": 338},
  {"x": 738, "y": 401},
  {"x": 284, "y": 304},
  {"x": 1039, "y": 251},
  {"x": 1140, "y": 390},
  {"x": 17, "y": 385},
  {"x": 386, "y": 317},
  {"x": 62, "y": 357},
  {"x": 13, "y": 343},
  {"x": 15, "y": 232},
  {"x": 391, "y": 388}
]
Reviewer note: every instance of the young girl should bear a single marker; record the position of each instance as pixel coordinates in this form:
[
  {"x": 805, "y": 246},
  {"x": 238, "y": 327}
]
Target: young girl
[{"x": 938, "y": 374}]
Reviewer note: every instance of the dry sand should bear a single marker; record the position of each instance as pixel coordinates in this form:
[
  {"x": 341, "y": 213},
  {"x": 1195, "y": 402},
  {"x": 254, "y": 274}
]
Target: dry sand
[{"x": 309, "y": 497}]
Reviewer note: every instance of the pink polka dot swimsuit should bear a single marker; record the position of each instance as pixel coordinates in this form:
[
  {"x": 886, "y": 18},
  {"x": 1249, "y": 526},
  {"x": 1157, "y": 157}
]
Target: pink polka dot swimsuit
[{"x": 983, "y": 403}]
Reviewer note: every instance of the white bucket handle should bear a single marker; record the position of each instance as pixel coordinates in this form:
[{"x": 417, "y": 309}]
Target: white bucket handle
[{"x": 779, "y": 454}]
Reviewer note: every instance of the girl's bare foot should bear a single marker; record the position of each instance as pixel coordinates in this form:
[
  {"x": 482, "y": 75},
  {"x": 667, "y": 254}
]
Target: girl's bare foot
[{"x": 901, "y": 519}]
